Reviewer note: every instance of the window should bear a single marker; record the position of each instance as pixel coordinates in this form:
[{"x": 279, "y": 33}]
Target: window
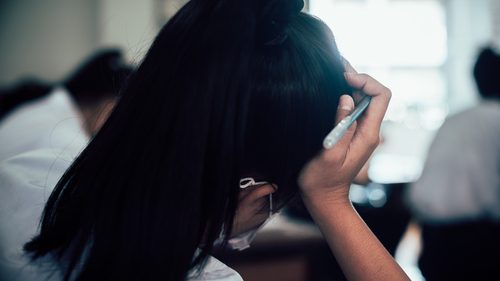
[{"x": 403, "y": 43}]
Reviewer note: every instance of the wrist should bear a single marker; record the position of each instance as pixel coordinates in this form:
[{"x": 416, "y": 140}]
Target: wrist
[
  {"x": 332, "y": 197},
  {"x": 330, "y": 211}
]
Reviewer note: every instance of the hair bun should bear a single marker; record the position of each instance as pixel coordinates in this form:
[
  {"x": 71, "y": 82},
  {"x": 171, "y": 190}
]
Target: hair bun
[{"x": 274, "y": 17}]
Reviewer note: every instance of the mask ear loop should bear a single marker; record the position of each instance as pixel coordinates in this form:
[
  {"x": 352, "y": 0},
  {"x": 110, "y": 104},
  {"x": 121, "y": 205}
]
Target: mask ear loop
[
  {"x": 247, "y": 182},
  {"x": 271, "y": 208},
  {"x": 271, "y": 203}
]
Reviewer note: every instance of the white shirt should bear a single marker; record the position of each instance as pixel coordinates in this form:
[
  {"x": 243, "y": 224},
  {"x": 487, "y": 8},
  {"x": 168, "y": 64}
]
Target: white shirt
[
  {"x": 30, "y": 170},
  {"x": 50, "y": 122},
  {"x": 38, "y": 143},
  {"x": 461, "y": 177}
]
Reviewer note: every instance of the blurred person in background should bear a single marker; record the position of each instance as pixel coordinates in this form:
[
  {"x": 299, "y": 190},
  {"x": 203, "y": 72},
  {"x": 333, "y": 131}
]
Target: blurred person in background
[
  {"x": 44, "y": 128},
  {"x": 37, "y": 115},
  {"x": 457, "y": 198}
]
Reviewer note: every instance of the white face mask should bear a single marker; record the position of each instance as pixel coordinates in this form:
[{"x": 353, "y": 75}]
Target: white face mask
[{"x": 242, "y": 241}]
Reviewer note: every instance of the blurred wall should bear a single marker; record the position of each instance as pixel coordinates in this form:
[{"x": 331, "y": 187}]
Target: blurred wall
[
  {"x": 45, "y": 38},
  {"x": 48, "y": 38},
  {"x": 495, "y": 12},
  {"x": 130, "y": 24},
  {"x": 470, "y": 26}
]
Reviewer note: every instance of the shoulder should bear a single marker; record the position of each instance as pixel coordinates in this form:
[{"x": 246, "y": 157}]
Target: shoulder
[
  {"x": 39, "y": 168},
  {"x": 26, "y": 181},
  {"x": 48, "y": 109},
  {"x": 480, "y": 112},
  {"x": 474, "y": 127},
  {"x": 470, "y": 124},
  {"x": 214, "y": 270}
]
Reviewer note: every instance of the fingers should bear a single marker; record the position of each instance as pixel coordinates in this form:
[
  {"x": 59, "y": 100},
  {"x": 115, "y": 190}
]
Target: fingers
[
  {"x": 346, "y": 105},
  {"x": 357, "y": 96},
  {"x": 335, "y": 168},
  {"x": 381, "y": 96},
  {"x": 366, "y": 138},
  {"x": 347, "y": 66},
  {"x": 339, "y": 151}
]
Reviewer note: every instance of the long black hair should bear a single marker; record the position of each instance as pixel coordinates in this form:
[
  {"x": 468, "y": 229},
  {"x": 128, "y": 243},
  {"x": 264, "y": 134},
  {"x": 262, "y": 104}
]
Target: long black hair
[{"x": 229, "y": 88}]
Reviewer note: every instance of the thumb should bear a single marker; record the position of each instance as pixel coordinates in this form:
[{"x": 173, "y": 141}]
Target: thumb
[
  {"x": 346, "y": 105},
  {"x": 339, "y": 151}
]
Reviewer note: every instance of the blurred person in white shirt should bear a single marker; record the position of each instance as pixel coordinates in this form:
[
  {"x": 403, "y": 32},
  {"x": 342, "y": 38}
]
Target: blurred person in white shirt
[{"x": 457, "y": 198}]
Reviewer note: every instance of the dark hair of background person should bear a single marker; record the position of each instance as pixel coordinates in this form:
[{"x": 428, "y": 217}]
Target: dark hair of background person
[
  {"x": 486, "y": 73},
  {"x": 228, "y": 89},
  {"x": 100, "y": 76}
]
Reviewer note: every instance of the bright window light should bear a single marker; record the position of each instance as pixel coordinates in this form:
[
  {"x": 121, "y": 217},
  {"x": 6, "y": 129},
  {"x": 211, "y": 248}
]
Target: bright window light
[
  {"x": 376, "y": 33},
  {"x": 403, "y": 44}
]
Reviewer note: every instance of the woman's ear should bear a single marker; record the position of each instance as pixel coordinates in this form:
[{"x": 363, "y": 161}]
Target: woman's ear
[{"x": 250, "y": 214}]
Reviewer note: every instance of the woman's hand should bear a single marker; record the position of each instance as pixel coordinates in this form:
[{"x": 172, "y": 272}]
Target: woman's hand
[
  {"x": 325, "y": 182},
  {"x": 329, "y": 175}
]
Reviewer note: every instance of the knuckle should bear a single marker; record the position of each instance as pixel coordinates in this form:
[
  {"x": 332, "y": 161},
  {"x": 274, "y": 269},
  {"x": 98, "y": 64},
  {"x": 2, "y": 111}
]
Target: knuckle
[
  {"x": 374, "y": 142},
  {"x": 364, "y": 76},
  {"x": 388, "y": 93}
]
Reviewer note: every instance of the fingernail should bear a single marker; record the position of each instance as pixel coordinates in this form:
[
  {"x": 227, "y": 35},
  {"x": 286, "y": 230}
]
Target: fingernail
[{"x": 345, "y": 103}]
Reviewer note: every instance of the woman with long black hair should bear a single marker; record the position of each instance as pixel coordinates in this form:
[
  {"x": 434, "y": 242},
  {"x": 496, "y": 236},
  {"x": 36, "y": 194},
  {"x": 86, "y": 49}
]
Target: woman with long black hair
[{"x": 229, "y": 90}]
